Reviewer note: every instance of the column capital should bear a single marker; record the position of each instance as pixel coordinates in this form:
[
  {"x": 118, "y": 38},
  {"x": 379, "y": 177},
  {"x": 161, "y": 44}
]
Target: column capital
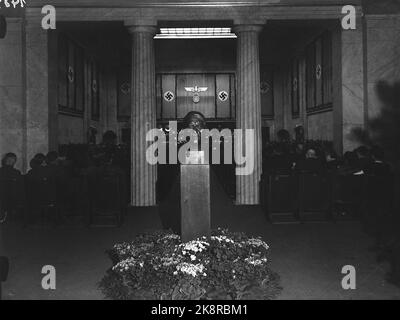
[
  {"x": 251, "y": 27},
  {"x": 145, "y": 26}
]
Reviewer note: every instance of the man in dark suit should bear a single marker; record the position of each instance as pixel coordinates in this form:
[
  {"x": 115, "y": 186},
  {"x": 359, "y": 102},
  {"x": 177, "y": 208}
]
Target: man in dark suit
[
  {"x": 279, "y": 161},
  {"x": 364, "y": 158},
  {"x": 9, "y": 179},
  {"x": 378, "y": 166},
  {"x": 8, "y": 166},
  {"x": 54, "y": 167},
  {"x": 311, "y": 163}
]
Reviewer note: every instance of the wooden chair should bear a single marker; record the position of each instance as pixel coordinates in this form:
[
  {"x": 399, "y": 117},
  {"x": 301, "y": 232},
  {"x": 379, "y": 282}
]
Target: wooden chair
[
  {"x": 73, "y": 197},
  {"x": 314, "y": 196},
  {"x": 107, "y": 201},
  {"x": 347, "y": 195},
  {"x": 42, "y": 197},
  {"x": 13, "y": 196},
  {"x": 378, "y": 203},
  {"x": 279, "y": 197}
]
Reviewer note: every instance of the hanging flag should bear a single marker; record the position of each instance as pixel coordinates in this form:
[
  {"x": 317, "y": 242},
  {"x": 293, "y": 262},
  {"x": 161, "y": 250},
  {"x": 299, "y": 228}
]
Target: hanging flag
[
  {"x": 223, "y": 101},
  {"x": 267, "y": 93},
  {"x": 327, "y": 67},
  {"x": 62, "y": 72},
  {"x": 319, "y": 72},
  {"x": 311, "y": 76},
  {"x": 71, "y": 75},
  {"x": 3, "y": 27},
  {"x": 295, "y": 88}
]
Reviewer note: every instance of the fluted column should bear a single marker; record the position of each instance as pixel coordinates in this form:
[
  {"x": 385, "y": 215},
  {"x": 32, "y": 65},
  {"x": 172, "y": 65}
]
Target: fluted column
[
  {"x": 249, "y": 107},
  {"x": 143, "y": 114}
]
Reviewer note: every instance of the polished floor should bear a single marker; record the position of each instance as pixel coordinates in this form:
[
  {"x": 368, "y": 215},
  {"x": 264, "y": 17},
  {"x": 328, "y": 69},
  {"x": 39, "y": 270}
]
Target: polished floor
[{"x": 308, "y": 257}]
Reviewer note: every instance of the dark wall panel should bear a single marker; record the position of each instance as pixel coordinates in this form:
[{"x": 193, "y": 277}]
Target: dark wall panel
[
  {"x": 124, "y": 92},
  {"x": 267, "y": 92}
]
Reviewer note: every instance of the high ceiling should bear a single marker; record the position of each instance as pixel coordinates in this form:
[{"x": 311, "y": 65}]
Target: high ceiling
[
  {"x": 369, "y": 6},
  {"x": 133, "y": 3}
]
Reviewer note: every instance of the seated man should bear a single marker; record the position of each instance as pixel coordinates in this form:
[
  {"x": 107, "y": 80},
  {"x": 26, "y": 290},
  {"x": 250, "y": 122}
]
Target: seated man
[
  {"x": 349, "y": 165},
  {"x": 331, "y": 160},
  {"x": 378, "y": 166},
  {"x": 364, "y": 158},
  {"x": 280, "y": 161},
  {"x": 53, "y": 166},
  {"x": 7, "y": 169},
  {"x": 311, "y": 163},
  {"x": 38, "y": 170},
  {"x": 41, "y": 184},
  {"x": 8, "y": 174},
  {"x": 298, "y": 154}
]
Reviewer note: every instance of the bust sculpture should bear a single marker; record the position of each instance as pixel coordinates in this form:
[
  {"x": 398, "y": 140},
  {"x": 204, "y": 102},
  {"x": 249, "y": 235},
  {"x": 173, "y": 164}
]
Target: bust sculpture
[{"x": 195, "y": 120}]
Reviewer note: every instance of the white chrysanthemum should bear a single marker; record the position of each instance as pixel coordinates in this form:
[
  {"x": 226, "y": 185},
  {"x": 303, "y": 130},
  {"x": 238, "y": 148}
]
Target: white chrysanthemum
[
  {"x": 255, "y": 242},
  {"x": 256, "y": 261},
  {"x": 126, "y": 264},
  {"x": 171, "y": 237},
  {"x": 169, "y": 261},
  {"x": 222, "y": 239},
  {"x": 191, "y": 269},
  {"x": 194, "y": 246}
]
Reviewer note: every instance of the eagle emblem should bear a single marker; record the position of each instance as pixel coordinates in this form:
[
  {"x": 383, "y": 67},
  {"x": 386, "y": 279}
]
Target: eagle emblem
[{"x": 196, "y": 92}]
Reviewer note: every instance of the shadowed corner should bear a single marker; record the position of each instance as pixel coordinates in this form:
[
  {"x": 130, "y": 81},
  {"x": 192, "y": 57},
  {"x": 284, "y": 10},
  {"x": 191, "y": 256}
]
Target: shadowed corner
[{"x": 384, "y": 130}]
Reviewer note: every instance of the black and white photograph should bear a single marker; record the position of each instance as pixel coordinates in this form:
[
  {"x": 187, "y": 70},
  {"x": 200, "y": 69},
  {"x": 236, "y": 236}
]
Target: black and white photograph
[{"x": 199, "y": 155}]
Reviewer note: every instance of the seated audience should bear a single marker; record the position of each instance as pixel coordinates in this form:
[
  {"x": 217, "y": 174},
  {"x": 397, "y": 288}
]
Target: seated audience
[
  {"x": 7, "y": 169},
  {"x": 364, "y": 158},
  {"x": 53, "y": 165},
  {"x": 41, "y": 159},
  {"x": 331, "y": 160},
  {"x": 38, "y": 169},
  {"x": 378, "y": 166},
  {"x": 8, "y": 174},
  {"x": 349, "y": 165},
  {"x": 283, "y": 136},
  {"x": 311, "y": 163},
  {"x": 279, "y": 161},
  {"x": 298, "y": 154}
]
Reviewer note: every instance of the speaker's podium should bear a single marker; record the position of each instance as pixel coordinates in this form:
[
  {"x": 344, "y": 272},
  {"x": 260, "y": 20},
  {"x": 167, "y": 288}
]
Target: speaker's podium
[{"x": 186, "y": 206}]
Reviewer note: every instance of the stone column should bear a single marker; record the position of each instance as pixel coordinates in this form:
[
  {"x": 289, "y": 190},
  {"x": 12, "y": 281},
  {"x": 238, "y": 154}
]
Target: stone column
[
  {"x": 143, "y": 114},
  {"x": 41, "y": 108},
  {"x": 249, "y": 107},
  {"x": 12, "y": 112},
  {"x": 349, "y": 110},
  {"x": 383, "y": 51}
]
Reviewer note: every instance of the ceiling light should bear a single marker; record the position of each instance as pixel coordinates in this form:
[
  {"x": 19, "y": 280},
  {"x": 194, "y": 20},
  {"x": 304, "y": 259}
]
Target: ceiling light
[{"x": 195, "y": 33}]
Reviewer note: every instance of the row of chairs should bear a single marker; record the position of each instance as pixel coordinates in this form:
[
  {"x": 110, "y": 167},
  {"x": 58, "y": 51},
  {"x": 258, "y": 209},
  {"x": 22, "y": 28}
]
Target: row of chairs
[
  {"x": 308, "y": 196},
  {"x": 98, "y": 197}
]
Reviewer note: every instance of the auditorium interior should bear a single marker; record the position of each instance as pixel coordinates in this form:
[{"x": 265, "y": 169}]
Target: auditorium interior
[{"x": 82, "y": 97}]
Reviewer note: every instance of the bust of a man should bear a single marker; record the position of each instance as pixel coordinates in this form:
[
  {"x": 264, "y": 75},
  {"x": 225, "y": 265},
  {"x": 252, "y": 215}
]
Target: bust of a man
[{"x": 195, "y": 120}]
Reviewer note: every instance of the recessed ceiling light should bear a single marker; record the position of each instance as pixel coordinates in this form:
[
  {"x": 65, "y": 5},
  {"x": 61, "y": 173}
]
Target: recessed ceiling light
[{"x": 195, "y": 33}]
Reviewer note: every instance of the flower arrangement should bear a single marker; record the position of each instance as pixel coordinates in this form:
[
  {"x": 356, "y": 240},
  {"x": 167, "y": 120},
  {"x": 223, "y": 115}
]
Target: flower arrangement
[{"x": 159, "y": 266}]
